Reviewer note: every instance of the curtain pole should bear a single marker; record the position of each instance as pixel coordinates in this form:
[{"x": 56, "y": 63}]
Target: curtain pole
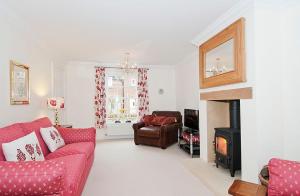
[{"x": 119, "y": 67}]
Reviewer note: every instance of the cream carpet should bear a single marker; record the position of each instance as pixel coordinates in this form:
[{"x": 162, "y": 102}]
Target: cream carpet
[
  {"x": 218, "y": 180},
  {"x": 122, "y": 168}
]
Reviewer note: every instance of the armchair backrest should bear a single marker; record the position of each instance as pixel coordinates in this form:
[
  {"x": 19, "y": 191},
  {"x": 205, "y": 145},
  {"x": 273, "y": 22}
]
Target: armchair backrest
[{"x": 176, "y": 114}]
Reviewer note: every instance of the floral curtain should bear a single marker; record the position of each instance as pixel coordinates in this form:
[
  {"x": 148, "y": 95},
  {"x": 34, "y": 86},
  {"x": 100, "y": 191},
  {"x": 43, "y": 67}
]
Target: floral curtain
[
  {"x": 100, "y": 98},
  {"x": 143, "y": 96}
]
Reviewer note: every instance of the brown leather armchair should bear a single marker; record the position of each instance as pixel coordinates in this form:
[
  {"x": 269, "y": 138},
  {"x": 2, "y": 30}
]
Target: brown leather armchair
[{"x": 161, "y": 136}]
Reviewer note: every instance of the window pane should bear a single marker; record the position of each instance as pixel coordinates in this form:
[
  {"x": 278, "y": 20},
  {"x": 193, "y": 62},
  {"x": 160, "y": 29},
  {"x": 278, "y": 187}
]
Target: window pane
[{"x": 121, "y": 95}]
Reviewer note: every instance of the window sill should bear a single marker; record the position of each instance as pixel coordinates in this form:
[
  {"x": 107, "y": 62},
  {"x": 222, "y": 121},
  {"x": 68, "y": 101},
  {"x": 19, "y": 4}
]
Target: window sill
[{"x": 119, "y": 124}]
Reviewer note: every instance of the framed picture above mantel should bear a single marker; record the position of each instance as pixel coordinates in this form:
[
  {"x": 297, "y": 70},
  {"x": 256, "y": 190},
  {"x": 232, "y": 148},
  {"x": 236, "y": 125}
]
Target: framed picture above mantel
[
  {"x": 19, "y": 83},
  {"x": 222, "y": 58}
]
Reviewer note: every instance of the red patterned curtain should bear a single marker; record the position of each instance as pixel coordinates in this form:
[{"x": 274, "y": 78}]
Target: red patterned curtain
[
  {"x": 143, "y": 96},
  {"x": 100, "y": 98}
]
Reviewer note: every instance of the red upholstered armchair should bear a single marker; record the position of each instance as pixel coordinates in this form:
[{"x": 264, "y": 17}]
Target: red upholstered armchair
[{"x": 160, "y": 136}]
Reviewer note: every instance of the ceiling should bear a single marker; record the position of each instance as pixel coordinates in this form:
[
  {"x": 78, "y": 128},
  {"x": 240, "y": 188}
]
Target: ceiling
[{"x": 155, "y": 32}]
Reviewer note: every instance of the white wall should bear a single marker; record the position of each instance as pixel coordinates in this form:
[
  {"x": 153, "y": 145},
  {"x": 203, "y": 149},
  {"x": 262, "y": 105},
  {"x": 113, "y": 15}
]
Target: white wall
[
  {"x": 291, "y": 81},
  {"x": 187, "y": 82},
  {"x": 18, "y": 43},
  {"x": 268, "y": 63},
  {"x": 276, "y": 79},
  {"x": 80, "y": 90},
  {"x": 162, "y": 77}
]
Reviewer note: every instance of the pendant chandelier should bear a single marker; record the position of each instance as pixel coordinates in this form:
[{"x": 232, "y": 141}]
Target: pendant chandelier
[{"x": 126, "y": 65}]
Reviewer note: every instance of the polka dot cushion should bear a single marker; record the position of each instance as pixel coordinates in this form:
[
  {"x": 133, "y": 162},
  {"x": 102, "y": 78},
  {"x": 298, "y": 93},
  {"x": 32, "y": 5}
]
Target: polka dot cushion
[
  {"x": 284, "y": 177},
  {"x": 71, "y": 135},
  {"x": 31, "y": 178},
  {"x": 86, "y": 148}
]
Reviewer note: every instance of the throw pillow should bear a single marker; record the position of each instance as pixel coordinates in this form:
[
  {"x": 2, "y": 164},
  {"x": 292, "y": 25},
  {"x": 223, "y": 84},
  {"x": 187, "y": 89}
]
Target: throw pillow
[
  {"x": 169, "y": 120},
  {"x": 26, "y": 148},
  {"x": 147, "y": 119},
  {"x": 157, "y": 120},
  {"x": 284, "y": 177},
  {"x": 52, "y": 138}
]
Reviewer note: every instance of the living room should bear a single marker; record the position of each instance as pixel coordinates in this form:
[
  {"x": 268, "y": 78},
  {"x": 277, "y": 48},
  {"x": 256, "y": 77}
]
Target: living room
[{"x": 69, "y": 48}]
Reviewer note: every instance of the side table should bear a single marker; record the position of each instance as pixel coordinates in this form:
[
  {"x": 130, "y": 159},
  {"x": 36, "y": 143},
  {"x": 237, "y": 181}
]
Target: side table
[
  {"x": 242, "y": 188},
  {"x": 65, "y": 126}
]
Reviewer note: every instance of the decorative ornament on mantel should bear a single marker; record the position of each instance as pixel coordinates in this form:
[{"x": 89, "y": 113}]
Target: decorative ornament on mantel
[
  {"x": 56, "y": 104},
  {"x": 126, "y": 65}
]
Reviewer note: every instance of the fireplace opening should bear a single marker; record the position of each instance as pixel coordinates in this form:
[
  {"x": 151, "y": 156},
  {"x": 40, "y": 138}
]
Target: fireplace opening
[
  {"x": 221, "y": 145},
  {"x": 227, "y": 141}
]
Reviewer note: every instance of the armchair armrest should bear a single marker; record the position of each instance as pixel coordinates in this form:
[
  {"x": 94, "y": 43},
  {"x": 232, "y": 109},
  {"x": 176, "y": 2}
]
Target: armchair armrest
[
  {"x": 32, "y": 177},
  {"x": 171, "y": 127},
  {"x": 169, "y": 134},
  {"x": 75, "y": 135},
  {"x": 138, "y": 125}
]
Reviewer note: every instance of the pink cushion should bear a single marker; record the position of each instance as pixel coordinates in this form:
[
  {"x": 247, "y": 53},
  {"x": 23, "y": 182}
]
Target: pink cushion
[
  {"x": 75, "y": 168},
  {"x": 169, "y": 120},
  {"x": 158, "y": 120},
  {"x": 147, "y": 119},
  {"x": 35, "y": 125},
  {"x": 75, "y": 135},
  {"x": 284, "y": 177},
  {"x": 8, "y": 134},
  {"x": 31, "y": 178},
  {"x": 195, "y": 138},
  {"x": 86, "y": 148}
]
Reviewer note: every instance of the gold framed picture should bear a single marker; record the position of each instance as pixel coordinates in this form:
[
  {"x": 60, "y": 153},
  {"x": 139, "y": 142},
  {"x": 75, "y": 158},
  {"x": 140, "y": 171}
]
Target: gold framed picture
[{"x": 19, "y": 84}]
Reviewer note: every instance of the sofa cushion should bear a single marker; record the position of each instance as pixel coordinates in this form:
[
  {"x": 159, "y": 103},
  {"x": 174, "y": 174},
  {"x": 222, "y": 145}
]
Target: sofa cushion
[
  {"x": 8, "y": 134},
  {"x": 35, "y": 126},
  {"x": 284, "y": 177},
  {"x": 26, "y": 148},
  {"x": 76, "y": 135},
  {"x": 86, "y": 148},
  {"x": 195, "y": 137},
  {"x": 52, "y": 138},
  {"x": 75, "y": 168},
  {"x": 31, "y": 178},
  {"x": 158, "y": 120},
  {"x": 149, "y": 131},
  {"x": 176, "y": 114},
  {"x": 169, "y": 120},
  {"x": 147, "y": 119}
]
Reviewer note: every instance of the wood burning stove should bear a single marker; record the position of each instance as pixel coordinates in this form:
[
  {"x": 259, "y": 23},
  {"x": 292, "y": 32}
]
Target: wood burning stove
[{"x": 228, "y": 141}]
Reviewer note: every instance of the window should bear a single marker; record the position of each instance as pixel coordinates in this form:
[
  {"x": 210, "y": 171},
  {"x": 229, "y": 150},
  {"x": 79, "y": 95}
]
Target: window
[{"x": 121, "y": 96}]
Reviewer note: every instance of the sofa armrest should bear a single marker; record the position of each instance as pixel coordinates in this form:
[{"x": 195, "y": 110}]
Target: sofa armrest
[
  {"x": 32, "y": 177},
  {"x": 75, "y": 135}
]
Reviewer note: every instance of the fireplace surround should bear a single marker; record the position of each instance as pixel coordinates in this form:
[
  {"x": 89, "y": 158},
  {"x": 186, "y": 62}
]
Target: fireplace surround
[
  {"x": 214, "y": 105},
  {"x": 227, "y": 140}
]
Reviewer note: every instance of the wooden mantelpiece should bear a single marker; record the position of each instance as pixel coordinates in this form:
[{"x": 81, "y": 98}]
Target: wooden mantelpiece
[{"x": 239, "y": 93}]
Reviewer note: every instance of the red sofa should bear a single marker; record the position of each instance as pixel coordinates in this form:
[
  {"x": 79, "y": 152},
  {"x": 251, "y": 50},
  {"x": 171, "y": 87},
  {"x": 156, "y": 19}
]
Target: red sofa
[{"x": 64, "y": 172}]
